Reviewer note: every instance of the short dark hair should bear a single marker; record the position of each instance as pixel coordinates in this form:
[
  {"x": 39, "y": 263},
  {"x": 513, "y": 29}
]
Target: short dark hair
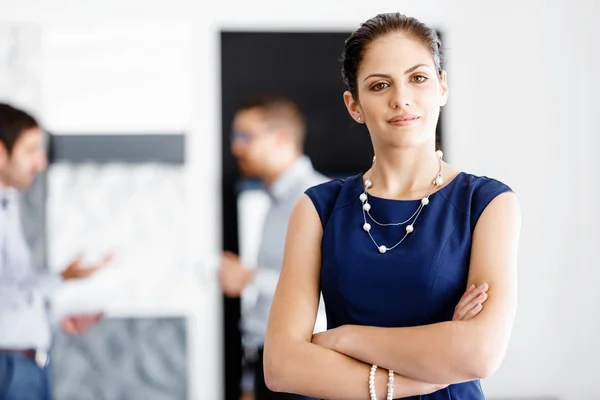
[
  {"x": 278, "y": 109},
  {"x": 13, "y": 122},
  {"x": 357, "y": 43}
]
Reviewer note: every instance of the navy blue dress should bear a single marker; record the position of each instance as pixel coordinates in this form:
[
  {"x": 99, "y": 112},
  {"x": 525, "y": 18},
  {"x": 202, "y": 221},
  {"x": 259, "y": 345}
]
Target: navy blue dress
[{"x": 417, "y": 283}]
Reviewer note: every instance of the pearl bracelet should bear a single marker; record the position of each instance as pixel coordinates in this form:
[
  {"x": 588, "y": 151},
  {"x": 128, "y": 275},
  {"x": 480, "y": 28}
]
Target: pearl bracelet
[
  {"x": 390, "y": 394},
  {"x": 372, "y": 382},
  {"x": 372, "y": 392}
]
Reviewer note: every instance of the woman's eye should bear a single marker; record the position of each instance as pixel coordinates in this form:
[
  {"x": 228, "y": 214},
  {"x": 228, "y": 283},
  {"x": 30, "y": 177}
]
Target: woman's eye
[
  {"x": 420, "y": 78},
  {"x": 379, "y": 86}
]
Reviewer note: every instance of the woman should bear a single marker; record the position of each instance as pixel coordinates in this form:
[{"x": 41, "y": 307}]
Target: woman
[{"x": 394, "y": 249}]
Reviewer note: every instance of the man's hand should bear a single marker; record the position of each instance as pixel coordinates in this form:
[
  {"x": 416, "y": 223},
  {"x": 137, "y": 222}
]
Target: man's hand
[
  {"x": 78, "y": 324},
  {"x": 233, "y": 275},
  {"x": 76, "y": 270}
]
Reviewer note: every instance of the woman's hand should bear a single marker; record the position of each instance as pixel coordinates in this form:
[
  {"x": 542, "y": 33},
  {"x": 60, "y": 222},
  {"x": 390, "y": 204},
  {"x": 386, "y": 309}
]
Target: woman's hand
[
  {"x": 328, "y": 338},
  {"x": 471, "y": 303}
]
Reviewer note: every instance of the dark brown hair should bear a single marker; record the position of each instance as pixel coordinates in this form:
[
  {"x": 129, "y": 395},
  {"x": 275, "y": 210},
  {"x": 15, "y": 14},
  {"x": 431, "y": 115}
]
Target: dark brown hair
[
  {"x": 356, "y": 45},
  {"x": 13, "y": 122},
  {"x": 278, "y": 109}
]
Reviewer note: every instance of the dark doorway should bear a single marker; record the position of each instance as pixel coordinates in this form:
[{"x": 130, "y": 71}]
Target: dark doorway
[{"x": 305, "y": 66}]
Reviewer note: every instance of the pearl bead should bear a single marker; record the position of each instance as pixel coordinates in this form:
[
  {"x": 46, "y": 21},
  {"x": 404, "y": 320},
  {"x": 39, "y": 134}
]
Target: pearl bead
[
  {"x": 382, "y": 249},
  {"x": 368, "y": 183},
  {"x": 439, "y": 154},
  {"x": 366, "y": 207},
  {"x": 363, "y": 197},
  {"x": 425, "y": 201},
  {"x": 439, "y": 181},
  {"x": 409, "y": 229},
  {"x": 367, "y": 227}
]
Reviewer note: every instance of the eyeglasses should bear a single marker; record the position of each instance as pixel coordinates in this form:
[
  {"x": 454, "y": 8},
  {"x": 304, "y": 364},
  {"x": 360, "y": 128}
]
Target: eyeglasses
[
  {"x": 247, "y": 138},
  {"x": 241, "y": 137}
]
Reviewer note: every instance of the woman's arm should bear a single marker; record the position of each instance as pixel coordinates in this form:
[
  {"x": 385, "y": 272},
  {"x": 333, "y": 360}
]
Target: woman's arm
[
  {"x": 455, "y": 351},
  {"x": 292, "y": 363}
]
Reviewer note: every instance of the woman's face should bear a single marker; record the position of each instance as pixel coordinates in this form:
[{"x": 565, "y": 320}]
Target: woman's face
[{"x": 399, "y": 92}]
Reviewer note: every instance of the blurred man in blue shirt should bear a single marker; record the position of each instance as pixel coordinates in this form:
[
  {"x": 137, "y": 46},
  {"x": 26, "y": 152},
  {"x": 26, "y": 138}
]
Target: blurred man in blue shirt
[
  {"x": 268, "y": 144},
  {"x": 26, "y": 320}
]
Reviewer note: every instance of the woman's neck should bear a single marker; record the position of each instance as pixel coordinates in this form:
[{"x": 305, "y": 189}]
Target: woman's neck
[{"x": 403, "y": 173}]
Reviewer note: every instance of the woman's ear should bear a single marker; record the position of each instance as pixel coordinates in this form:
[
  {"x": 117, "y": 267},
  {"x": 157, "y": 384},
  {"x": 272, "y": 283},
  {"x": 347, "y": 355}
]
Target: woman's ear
[
  {"x": 444, "y": 88},
  {"x": 353, "y": 107}
]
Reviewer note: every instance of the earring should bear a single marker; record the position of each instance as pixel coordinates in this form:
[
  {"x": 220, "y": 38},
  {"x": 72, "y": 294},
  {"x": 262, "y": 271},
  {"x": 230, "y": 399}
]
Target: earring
[{"x": 358, "y": 118}]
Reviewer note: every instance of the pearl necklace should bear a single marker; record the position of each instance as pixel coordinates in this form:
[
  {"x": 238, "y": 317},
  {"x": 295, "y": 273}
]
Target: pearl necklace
[{"x": 410, "y": 228}]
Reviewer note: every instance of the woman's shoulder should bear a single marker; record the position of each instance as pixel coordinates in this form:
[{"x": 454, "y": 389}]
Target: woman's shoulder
[
  {"x": 326, "y": 195},
  {"x": 472, "y": 193},
  {"x": 478, "y": 187},
  {"x": 477, "y": 182},
  {"x": 332, "y": 186}
]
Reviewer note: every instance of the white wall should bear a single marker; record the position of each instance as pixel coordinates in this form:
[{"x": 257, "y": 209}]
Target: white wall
[
  {"x": 118, "y": 77},
  {"x": 523, "y": 80},
  {"x": 20, "y": 65}
]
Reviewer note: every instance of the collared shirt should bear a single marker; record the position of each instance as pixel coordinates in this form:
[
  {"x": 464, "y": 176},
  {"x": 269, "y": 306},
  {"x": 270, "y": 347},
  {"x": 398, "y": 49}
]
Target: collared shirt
[
  {"x": 284, "y": 193},
  {"x": 24, "y": 312}
]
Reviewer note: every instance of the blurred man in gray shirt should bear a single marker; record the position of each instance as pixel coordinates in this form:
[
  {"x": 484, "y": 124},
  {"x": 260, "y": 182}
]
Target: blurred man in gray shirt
[
  {"x": 268, "y": 141},
  {"x": 26, "y": 322}
]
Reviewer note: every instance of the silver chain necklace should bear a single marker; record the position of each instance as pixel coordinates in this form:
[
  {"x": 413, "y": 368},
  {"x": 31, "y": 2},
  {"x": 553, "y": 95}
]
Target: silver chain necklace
[{"x": 410, "y": 228}]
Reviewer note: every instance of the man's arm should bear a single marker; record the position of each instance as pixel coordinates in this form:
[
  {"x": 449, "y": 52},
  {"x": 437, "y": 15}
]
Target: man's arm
[
  {"x": 42, "y": 283},
  {"x": 21, "y": 297},
  {"x": 264, "y": 281}
]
